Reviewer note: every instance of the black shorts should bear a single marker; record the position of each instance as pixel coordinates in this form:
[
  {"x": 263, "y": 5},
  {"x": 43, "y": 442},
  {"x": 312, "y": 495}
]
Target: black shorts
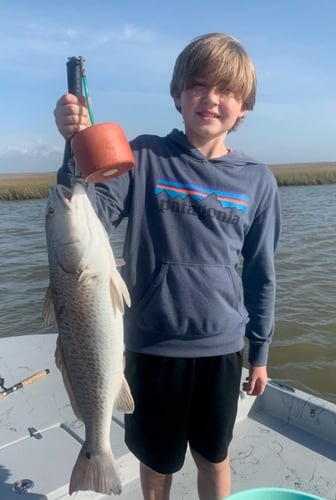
[{"x": 180, "y": 401}]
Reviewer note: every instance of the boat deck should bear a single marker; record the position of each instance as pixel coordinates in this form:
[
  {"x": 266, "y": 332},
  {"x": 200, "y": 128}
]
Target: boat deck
[{"x": 286, "y": 438}]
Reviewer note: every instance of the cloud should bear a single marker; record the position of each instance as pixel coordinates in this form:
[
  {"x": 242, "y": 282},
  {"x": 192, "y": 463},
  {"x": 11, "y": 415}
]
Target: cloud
[
  {"x": 51, "y": 38},
  {"x": 30, "y": 157},
  {"x": 33, "y": 39},
  {"x": 129, "y": 55},
  {"x": 33, "y": 149},
  {"x": 128, "y": 33}
]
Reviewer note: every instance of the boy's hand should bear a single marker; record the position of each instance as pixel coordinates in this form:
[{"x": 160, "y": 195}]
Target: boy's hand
[
  {"x": 71, "y": 115},
  {"x": 256, "y": 381}
]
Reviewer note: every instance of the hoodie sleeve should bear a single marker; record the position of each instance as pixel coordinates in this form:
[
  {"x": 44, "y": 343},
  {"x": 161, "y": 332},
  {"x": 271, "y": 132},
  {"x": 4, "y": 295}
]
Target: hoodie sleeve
[{"x": 258, "y": 276}]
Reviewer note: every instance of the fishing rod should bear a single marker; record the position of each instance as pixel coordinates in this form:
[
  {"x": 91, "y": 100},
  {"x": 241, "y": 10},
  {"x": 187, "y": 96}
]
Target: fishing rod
[{"x": 23, "y": 383}]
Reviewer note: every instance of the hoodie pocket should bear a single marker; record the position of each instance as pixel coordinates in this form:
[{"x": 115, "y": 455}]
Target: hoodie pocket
[{"x": 193, "y": 300}]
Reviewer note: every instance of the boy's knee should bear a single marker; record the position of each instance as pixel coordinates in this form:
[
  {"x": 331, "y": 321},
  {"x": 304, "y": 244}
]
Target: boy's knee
[{"x": 209, "y": 467}]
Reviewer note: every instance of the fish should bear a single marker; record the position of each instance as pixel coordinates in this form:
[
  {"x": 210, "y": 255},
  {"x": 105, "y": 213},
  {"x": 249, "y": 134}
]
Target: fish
[{"x": 86, "y": 299}]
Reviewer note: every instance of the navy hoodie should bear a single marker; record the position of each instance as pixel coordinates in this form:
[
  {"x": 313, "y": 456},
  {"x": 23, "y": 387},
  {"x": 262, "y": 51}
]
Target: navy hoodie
[{"x": 199, "y": 248}]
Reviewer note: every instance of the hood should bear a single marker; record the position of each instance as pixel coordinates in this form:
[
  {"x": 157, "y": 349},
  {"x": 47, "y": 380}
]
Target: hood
[{"x": 234, "y": 158}]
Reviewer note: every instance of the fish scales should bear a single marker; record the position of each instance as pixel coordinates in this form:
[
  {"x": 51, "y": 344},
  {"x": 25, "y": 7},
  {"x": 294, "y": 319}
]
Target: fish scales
[
  {"x": 86, "y": 298},
  {"x": 84, "y": 311}
]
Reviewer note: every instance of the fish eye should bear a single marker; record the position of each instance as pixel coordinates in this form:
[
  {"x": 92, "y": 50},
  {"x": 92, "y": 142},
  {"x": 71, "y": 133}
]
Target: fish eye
[{"x": 51, "y": 211}]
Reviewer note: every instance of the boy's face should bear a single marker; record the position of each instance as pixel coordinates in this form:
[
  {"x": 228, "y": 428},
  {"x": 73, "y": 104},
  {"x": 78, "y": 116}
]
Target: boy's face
[{"x": 209, "y": 112}]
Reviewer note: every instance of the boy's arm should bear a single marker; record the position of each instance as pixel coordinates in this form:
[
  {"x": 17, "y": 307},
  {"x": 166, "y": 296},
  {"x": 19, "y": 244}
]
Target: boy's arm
[{"x": 258, "y": 277}]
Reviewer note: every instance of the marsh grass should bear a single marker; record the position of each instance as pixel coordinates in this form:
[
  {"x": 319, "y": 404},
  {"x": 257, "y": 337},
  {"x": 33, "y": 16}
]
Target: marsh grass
[
  {"x": 304, "y": 174},
  {"x": 25, "y": 186},
  {"x": 36, "y": 186}
]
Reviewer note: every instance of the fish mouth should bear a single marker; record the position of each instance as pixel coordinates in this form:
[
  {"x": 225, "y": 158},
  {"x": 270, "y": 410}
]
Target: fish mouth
[{"x": 64, "y": 195}]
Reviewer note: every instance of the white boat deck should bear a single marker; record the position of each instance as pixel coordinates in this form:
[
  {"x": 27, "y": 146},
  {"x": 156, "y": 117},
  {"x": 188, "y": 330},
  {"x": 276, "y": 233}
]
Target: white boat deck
[{"x": 285, "y": 438}]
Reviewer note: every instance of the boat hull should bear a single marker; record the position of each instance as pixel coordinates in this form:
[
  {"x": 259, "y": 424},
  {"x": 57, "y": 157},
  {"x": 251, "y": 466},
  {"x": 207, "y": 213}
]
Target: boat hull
[{"x": 285, "y": 438}]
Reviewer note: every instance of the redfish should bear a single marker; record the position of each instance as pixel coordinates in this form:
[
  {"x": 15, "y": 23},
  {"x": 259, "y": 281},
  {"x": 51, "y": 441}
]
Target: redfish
[{"x": 86, "y": 300}]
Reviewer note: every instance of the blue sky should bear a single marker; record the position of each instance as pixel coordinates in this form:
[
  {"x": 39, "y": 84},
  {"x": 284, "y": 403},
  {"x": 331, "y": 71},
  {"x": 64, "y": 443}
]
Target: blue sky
[{"x": 130, "y": 48}]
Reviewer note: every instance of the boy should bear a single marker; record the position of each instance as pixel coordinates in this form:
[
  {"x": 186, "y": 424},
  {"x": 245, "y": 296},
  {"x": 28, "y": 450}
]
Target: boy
[{"x": 194, "y": 207}]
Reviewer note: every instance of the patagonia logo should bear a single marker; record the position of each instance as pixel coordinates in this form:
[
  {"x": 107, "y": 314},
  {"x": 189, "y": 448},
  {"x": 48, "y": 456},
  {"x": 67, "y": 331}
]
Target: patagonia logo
[{"x": 175, "y": 189}]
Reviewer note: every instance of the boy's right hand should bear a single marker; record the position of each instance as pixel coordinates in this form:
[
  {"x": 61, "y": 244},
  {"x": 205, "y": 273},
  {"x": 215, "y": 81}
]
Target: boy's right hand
[{"x": 71, "y": 115}]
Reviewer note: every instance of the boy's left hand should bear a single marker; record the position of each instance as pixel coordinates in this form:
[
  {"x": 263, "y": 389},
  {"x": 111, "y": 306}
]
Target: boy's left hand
[{"x": 256, "y": 381}]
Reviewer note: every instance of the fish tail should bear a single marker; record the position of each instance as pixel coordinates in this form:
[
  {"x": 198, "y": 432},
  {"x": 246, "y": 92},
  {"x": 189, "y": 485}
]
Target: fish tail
[{"x": 95, "y": 473}]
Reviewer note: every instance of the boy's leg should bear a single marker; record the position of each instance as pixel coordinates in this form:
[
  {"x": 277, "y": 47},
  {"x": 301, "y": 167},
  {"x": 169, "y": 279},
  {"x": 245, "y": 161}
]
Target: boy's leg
[
  {"x": 155, "y": 486},
  {"x": 157, "y": 431},
  {"x": 178, "y": 400},
  {"x": 214, "y": 411},
  {"x": 213, "y": 479}
]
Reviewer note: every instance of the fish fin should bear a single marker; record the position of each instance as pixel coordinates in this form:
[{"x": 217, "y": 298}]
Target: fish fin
[
  {"x": 119, "y": 292},
  {"x": 95, "y": 473},
  {"x": 119, "y": 262},
  {"x": 124, "y": 401},
  {"x": 60, "y": 363},
  {"x": 48, "y": 311},
  {"x": 86, "y": 276},
  {"x": 124, "y": 292},
  {"x": 116, "y": 296}
]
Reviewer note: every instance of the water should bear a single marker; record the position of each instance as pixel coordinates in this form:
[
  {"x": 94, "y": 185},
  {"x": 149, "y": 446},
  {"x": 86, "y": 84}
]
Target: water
[
  {"x": 304, "y": 348},
  {"x": 303, "y": 351}
]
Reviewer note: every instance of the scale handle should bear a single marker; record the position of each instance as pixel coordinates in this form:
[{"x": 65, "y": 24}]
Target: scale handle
[
  {"x": 74, "y": 77},
  {"x": 74, "y": 74}
]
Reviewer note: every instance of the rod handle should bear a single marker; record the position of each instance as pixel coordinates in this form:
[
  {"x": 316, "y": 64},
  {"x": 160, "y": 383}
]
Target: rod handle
[
  {"x": 35, "y": 377},
  {"x": 23, "y": 383}
]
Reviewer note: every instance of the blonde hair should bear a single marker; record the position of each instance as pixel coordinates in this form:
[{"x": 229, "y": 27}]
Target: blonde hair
[{"x": 219, "y": 59}]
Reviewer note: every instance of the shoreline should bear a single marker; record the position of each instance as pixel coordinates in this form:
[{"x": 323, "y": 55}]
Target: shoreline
[
  {"x": 304, "y": 174},
  {"x": 26, "y": 186}
]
